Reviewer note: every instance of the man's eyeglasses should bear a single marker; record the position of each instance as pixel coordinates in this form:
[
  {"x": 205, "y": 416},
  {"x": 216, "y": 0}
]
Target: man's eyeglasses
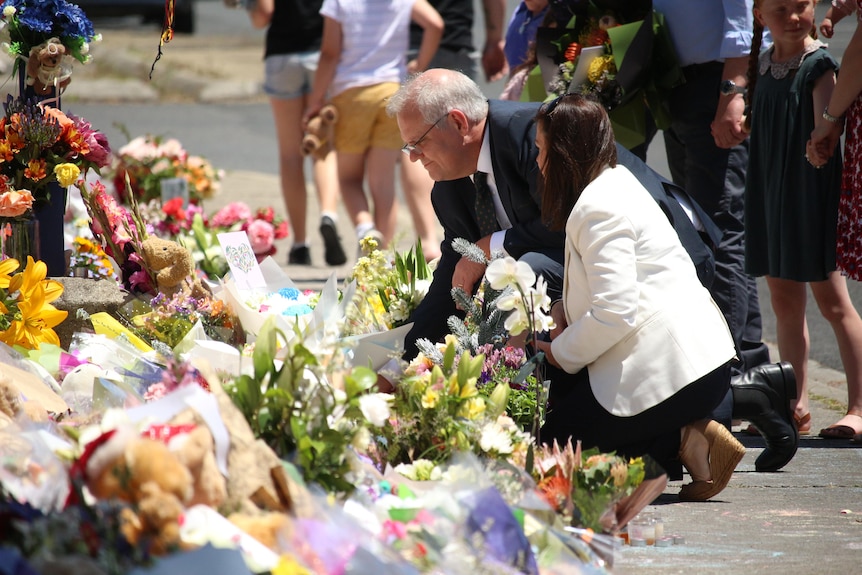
[{"x": 414, "y": 147}]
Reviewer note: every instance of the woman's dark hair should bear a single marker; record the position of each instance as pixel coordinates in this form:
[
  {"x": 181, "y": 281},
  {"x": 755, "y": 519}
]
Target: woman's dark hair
[{"x": 579, "y": 143}]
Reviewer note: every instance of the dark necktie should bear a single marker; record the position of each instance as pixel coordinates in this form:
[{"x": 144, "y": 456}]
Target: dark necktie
[{"x": 486, "y": 214}]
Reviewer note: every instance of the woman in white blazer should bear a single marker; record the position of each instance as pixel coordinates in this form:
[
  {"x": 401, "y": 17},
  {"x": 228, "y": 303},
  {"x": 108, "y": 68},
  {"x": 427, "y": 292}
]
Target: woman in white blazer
[{"x": 640, "y": 355}]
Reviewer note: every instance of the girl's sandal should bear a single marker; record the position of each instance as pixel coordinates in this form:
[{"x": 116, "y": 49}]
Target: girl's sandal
[{"x": 803, "y": 423}]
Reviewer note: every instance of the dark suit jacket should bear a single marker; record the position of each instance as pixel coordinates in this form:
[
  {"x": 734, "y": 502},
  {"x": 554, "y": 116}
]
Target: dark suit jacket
[{"x": 513, "y": 154}]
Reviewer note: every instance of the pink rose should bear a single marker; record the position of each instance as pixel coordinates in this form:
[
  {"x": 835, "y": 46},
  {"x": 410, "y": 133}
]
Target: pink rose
[
  {"x": 261, "y": 235},
  {"x": 233, "y": 213}
]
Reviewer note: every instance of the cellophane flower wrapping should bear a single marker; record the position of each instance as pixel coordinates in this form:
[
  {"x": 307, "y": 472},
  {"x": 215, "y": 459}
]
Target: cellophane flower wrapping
[{"x": 631, "y": 64}]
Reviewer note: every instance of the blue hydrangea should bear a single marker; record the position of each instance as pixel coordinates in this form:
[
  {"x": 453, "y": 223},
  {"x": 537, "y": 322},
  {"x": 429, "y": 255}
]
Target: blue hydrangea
[
  {"x": 289, "y": 293},
  {"x": 294, "y": 310},
  {"x": 37, "y": 20}
]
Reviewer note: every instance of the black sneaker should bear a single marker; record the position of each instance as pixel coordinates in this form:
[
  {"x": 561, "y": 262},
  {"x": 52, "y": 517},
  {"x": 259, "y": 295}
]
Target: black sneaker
[
  {"x": 299, "y": 256},
  {"x": 333, "y": 252}
]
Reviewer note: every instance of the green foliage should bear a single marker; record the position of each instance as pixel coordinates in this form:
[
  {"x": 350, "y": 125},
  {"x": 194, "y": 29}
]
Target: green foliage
[{"x": 293, "y": 408}]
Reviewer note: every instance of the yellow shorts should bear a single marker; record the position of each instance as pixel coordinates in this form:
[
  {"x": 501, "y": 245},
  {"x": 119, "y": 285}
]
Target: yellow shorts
[{"x": 362, "y": 119}]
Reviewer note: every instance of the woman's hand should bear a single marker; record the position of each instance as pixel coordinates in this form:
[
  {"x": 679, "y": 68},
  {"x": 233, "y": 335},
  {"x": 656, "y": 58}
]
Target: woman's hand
[
  {"x": 558, "y": 314},
  {"x": 821, "y": 146},
  {"x": 545, "y": 346}
]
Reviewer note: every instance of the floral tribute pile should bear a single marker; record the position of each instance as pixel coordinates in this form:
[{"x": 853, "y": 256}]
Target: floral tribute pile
[
  {"x": 149, "y": 160},
  {"x": 173, "y": 430}
]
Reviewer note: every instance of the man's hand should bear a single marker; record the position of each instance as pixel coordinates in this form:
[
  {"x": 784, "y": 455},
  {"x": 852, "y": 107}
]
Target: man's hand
[
  {"x": 727, "y": 127},
  {"x": 467, "y": 274}
]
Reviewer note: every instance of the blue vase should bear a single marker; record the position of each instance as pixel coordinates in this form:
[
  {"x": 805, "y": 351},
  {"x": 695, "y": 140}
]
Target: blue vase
[{"x": 52, "y": 242}]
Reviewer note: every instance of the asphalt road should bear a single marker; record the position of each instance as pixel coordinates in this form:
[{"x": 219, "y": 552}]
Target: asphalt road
[{"x": 239, "y": 136}]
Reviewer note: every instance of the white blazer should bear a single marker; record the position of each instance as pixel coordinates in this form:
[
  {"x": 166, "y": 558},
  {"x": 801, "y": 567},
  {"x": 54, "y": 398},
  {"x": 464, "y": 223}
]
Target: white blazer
[{"x": 639, "y": 319}]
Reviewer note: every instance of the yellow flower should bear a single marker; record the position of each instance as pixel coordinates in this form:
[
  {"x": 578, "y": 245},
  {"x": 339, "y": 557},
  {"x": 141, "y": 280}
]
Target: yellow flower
[
  {"x": 469, "y": 389},
  {"x": 30, "y": 279},
  {"x": 35, "y": 324},
  {"x": 472, "y": 408},
  {"x": 67, "y": 174},
  {"x": 430, "y": 398},
  {"x": 7, "y": 266},
  {"x": 599, "y": 66},
  {"x": 620, "y": 473}
]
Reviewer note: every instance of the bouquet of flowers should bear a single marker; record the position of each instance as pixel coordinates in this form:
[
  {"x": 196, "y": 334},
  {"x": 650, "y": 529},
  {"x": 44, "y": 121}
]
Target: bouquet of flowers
[
  {"x": 169, "y": 320},
  {"x": 503, "y": 366},
  {"x": 192, "y": 228},
  {"x": 44, "y": 37},
  {"x": 27, "y": 318},
  {"x": 149, "y": 160},
  {"x": 121, "y": 233},
  {"x": 293, "y": 406},
  {"x": 438, "y": 411},
  {"x": 620, "y": 52},
  {"x": 389, "y": 287},
  {"x": 584, "y": 486},
  {"x": 90, "y": 260},
  {"x": 42, "y": 145}
]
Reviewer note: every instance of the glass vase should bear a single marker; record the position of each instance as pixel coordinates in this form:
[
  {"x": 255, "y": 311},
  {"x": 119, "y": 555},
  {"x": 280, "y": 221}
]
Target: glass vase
[{"x": 19, "y": 237}]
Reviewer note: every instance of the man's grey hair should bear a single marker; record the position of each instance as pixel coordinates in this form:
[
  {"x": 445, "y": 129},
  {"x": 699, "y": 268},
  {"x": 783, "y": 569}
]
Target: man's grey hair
[{"x": 434, "y": 96}]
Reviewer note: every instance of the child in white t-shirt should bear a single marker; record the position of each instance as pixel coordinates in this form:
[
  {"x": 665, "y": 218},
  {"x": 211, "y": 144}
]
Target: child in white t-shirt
[{"x": 362, "y": 63}]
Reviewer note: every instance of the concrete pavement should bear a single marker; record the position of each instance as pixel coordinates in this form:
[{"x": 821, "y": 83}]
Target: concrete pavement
[{"x": 806, "y": 518}]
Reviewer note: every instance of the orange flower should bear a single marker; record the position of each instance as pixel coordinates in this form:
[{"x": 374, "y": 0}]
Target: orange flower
[
  {"x": 59, "y": 116},
  {"x": 15, "y": 203},
  {"x": 573, "y": 51},
  {"x": 35, "y": 170},
  {"x": 7, "y": 154}
]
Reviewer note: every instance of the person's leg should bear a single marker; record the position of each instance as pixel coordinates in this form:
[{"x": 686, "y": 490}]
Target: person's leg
[
  {"x": 286, "y": 81},
  {"x": 837, "y": 308},
  {"x": 417, "y": 193},
  {"x": 385, "y": 148},
  {"x": 357, "y": 109},
  {"x": 325, "y": 171},
  {"x": 351, "y": 176},
  {"x": 573, "y": 411},
  {"x": 715, "y": 179},
  {"x": 788, "y": 303},
  {"x": 381, "y": 182}
]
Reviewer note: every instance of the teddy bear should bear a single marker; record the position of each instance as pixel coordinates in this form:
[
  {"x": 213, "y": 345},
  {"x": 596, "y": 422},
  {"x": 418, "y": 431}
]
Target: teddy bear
[
  {"x": 173, "y": 267},
  {"x": 45, "y": 66},
  {"x": 144, "y": 472},
  {"x": 196, "y": 450},
  {"x": 319, "y": 132}
]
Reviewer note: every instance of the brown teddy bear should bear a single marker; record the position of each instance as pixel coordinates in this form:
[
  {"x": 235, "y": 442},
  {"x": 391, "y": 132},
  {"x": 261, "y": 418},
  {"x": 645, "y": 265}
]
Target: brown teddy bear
[
  {"x": 44, "y": 67},
  {"x": 173, "y": 267},
  {"x": 196, "y": 450},
  {"x": 143, "y": 472},
  {"x": 319, "y": 133}
]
